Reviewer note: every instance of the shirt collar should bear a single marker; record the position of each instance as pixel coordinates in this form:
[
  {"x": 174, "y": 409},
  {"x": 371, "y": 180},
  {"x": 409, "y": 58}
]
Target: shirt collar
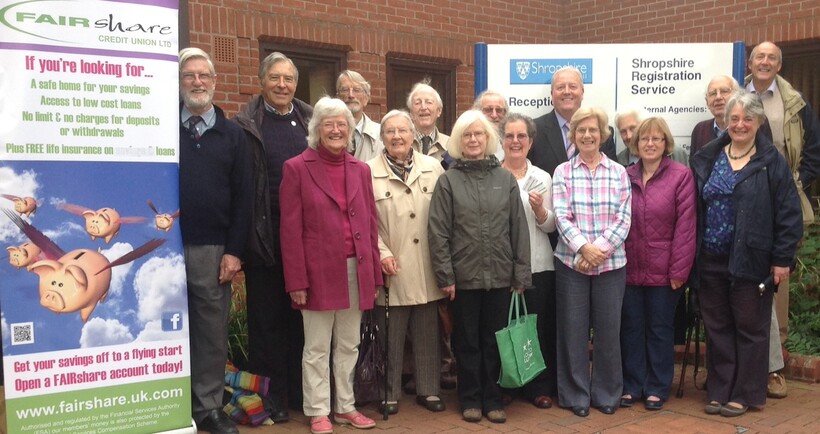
[
  {"x": 270, "y": 108},
  {"x": 771, "y": 89},
  {"x": 208, "y": 118}
]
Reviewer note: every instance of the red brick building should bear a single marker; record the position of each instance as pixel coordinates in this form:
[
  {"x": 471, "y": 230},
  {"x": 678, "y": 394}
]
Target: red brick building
[{"x": 394, "y": 43}]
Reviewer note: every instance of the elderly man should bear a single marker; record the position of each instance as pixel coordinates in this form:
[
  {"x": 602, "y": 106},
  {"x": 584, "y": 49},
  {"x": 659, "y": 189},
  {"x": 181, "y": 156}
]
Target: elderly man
[
  {"x": 215, "y": 208},
  {"x": 276, "y": 126},
  {"x": 354, "y": 90},
  {"x": 794, "y": 131},
  {"x": 718, "y": 92},
  {"x": 494, "y": 106},
  {"x": 425, "y": 105},
  {"x": 551, "y": 145},
  {"x": 626, "y": 122}
]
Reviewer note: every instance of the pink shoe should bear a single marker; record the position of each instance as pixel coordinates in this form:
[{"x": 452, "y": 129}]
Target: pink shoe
[
  {"x": 356, "y": 419},
  {"x": 321, "y": 425}
]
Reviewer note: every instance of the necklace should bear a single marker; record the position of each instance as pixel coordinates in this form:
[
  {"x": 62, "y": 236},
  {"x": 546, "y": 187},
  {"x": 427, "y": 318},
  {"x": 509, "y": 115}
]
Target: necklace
[
  {"x": 517, "y": 173},
  {"x": 738, "y": 157}
]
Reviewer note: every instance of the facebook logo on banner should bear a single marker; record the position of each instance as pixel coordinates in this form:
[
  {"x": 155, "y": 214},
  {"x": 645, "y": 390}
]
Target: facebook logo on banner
[
  {"x": 539, "y": 71},
  {"x": 171, "y": 321}
]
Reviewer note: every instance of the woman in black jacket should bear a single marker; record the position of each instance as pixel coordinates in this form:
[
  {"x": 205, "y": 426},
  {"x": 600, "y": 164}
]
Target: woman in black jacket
[{"x": 749, "y": 224}]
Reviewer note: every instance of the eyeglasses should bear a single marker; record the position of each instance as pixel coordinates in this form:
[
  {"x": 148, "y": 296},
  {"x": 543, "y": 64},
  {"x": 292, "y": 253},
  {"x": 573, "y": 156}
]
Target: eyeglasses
[
  {"x": 491, "y": 110},
  {"x": 583, "y": 131},
  {"x": 654, "y": 140},
  {"x": 722, "y": 91},
  {"x": 191, "y": 77},
  {"x": 521, "y": 137},
  {"x": 393, "y": 132},
  {"x": 470, "y": 135},
  {"x": 333, "y": 125},
  {"x": 346, "y": 90}
]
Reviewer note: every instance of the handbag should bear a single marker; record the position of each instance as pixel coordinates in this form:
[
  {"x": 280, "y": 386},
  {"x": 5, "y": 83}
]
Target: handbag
[
  {"x": 369, "y": 374},
  {"x": 518, "y": 346}
]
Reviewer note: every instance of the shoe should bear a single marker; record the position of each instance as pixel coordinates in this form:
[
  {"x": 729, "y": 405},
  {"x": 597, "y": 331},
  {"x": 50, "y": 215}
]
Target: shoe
[
  {"x": 217, "y": 422},
  {"x": 410, "y": 387},
  {"x": 653, "y": 405},
  {"x": 432, "y": 402},
  {"x": 607, "y": 409},
  {"x": 732, "y": 410},
  {"x": 392, "y": 407},
  {"x": 542, "y": 401},
  {"x": 627, "y": 401},
  {"x": 471, "y": 415},
  {"x": 354, "y": 418},
  {"x": 497, "y": 416},
  {"x": 320, "y": 425},
  {"x": 581, "y": 411},
  {"x": 278, "y": 414},
  {"x": 777, "y": 386},
  {"x": 713, "y": 407}
]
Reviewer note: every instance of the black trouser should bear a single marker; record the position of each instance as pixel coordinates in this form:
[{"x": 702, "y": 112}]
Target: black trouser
[{"x": 275, "y": 335}]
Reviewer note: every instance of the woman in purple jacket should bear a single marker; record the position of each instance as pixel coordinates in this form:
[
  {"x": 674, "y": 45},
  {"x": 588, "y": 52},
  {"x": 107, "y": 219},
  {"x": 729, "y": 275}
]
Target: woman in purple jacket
[{"x": 660, "y": 250}]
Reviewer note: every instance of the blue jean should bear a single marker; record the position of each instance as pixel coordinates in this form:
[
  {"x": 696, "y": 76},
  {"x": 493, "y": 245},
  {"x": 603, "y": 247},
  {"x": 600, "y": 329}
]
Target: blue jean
[{"x": 648, "y": 340}]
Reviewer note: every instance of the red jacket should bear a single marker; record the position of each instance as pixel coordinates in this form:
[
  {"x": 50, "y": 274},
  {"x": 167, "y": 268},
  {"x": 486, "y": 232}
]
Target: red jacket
[
  {"x": 313, "y": 237},
  {"x": 661, "y": 241}
]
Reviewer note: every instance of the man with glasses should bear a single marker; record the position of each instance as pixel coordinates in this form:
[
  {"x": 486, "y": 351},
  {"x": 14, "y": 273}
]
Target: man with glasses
[
  {"x": 354, "y": 90},
  {"x": 494, "y": 106},
  {"x": 215, "y": 209},
  {"x": 718, "y": 93},
  {"x": 551, "y": 146}
]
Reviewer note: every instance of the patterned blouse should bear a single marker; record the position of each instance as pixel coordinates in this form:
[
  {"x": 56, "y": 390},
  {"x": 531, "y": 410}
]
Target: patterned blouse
[
  {"x": 592, "y": 207},
  {"x": 717, "y": 193}
]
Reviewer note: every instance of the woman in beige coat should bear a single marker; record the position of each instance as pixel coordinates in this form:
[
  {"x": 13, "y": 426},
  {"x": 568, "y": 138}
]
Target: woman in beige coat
[{"x": 403, "y": 183}]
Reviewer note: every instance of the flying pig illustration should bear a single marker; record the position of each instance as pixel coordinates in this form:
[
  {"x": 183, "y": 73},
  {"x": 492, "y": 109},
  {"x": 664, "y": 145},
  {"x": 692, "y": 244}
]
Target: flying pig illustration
[
  {"x": 24, "y": 254},
  {"x": 163, "y": 221},
  {"x": 77, "y": 280},
  {"x": 103, "y": 223},
  {"x": 23, "y": 205}
]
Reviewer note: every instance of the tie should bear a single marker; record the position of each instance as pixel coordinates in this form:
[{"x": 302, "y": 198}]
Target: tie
[
  {"x": 192, "y": 123},
  {"x": 425, "y": 144},
  {"x": 571, "y": 146}
]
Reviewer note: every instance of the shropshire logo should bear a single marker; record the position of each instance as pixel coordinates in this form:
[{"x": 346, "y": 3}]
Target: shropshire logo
[
  {"x": 540, "y": 71},
  {"x": 53, "y": 19}
]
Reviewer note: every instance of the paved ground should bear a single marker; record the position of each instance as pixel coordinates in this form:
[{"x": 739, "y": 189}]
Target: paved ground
[{"x": 798, "y": 413}]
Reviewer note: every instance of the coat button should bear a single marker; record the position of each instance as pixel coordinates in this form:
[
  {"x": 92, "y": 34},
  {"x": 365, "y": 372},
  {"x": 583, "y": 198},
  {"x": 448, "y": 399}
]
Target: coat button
[
  {"x": 361, "y": 258},
  {"x": 424, "y": 189},
  {"x": 387, "y": 194},
  {"x": 412, "y": 215},
  {"x": 416, "y": 240},
  {"x": 407, "y": 191},
  {"x": 352, "y": 212},
  {"x": 358, "y": 236}
]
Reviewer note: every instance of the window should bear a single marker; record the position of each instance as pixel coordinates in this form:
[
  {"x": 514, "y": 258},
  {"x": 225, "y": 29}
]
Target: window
[
  {"x": 403, "y": 71},
  {"x": 318, "y": 67}
]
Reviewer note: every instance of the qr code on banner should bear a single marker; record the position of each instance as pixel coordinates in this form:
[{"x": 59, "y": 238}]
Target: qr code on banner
[{"x": 22, "y": 333}]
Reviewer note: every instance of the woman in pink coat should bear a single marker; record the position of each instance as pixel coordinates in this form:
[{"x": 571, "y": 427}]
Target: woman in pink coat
[
  {"x": 660, "y": 250},
  {"x": 330, "y": 254}
]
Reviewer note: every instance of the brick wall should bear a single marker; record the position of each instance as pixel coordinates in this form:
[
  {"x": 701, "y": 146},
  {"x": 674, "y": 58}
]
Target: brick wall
[{"x": 372, "y": 28}]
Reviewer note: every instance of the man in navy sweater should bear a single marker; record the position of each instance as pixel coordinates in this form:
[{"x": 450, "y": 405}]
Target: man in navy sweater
[{"x": 215, "y": 196}]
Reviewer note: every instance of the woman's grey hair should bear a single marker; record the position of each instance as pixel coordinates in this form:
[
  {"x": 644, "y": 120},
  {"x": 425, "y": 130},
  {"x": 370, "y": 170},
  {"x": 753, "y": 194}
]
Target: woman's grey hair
[
  {"x": 189, "y": 53},
  {"x": 516, "y": 117},
  {"x": 584, "y": 113},
  {"x": 325, "y": 108},
  {"x": 462, "y": 123},
  {"x": 399, "y": 113},
  {"x": 354, "y": 77},
  {"x": 749, "y": 102},
  {"x": 274, "y": 58}
]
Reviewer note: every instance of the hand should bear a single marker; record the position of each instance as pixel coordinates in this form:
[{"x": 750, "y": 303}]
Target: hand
[
  {"x": 583, "y": 265},
  {"x": 780, "y": 274},
  {"x": 389, "y": 266},
  {"x": 675, "y": 283},
  {"x": 593, "y": 254},
  {"x": 537, "y": 205},
  {"x": 228, "y": 267},
  {"x": 299, "y": 297},
  {"x": 451, "y": 291},
  {"x": 518, "y": 290}
]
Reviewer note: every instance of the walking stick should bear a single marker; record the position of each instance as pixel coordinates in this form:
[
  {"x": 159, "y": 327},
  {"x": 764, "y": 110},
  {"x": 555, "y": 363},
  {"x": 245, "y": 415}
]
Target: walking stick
[{"x": 386, "y": 341}]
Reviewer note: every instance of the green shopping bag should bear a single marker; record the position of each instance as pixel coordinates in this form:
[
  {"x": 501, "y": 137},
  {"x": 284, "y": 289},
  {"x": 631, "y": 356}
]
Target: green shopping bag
[{"x": 518, "y": 346}]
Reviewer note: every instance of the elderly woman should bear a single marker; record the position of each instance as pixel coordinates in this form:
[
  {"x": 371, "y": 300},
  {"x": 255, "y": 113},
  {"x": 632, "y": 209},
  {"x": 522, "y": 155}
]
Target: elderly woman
[
  {"x": 403, "y": 183},
  {"x": 535, "y": 188},
  {"x": 480, "y": 249},
  {"x": 660, "y": 249},
  {"x": 330, "y": 230},
  {"x": 749, "y": 224},
  {"x": 591, "y": 196}
]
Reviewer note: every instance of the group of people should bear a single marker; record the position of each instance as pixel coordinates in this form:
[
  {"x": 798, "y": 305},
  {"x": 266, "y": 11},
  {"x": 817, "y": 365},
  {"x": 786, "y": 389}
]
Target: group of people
[{"x": 330, "y": 213}]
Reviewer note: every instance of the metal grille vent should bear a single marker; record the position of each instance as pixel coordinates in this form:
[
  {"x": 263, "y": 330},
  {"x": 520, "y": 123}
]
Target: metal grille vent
[{"x": 224, "y": 49}]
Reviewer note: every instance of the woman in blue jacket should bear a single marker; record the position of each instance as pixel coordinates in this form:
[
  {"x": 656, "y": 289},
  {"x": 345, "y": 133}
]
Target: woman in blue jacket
[{"x": 749, "y": 224}]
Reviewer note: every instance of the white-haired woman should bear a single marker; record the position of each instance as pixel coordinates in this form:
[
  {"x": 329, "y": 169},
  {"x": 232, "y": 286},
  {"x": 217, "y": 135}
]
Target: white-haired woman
[
  {"x": 403, "y": 183},
  {"x": 480, "y": 249},
  {"x": 330, "y": 232}
]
